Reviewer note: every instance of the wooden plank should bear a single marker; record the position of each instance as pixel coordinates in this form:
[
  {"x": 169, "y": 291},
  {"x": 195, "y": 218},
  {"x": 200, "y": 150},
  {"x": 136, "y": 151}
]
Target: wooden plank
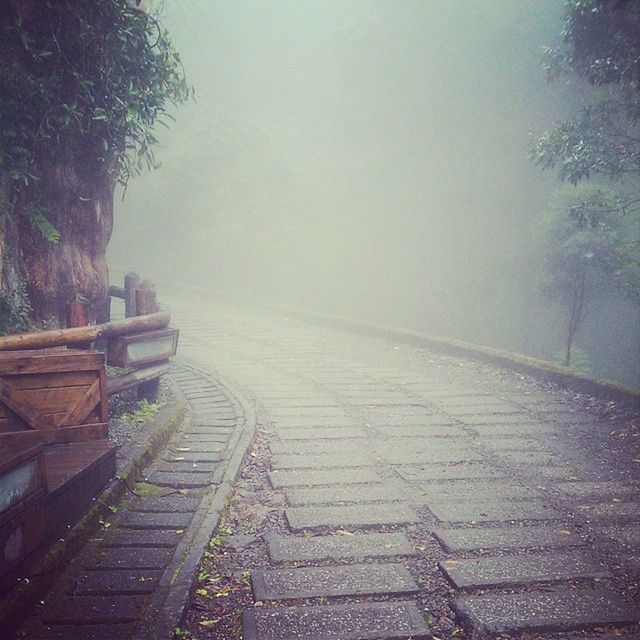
[
  {"x": 83, "y": 406},
  {"x": 104, "y": 403},
  {"x": 12, "y": 398},
  {"x": 77, "y": 433},
  {"x": 82, "y": 335},
  {"x": 17, "y": 447},
  {"x": 116, "y": 292},
  {"x": 23, "y": 362},
  {"x": 130, "y": 380},
  {"x": 47, "y": 401},
  {"x": 47, "y": 381}
]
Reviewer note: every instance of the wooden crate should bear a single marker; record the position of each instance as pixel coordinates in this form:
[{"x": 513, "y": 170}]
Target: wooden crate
[{"x": 60, "y": 393}]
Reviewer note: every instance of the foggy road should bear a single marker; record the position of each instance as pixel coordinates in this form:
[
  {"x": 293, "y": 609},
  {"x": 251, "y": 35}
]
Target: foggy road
[{"x": 471, "y": 492}]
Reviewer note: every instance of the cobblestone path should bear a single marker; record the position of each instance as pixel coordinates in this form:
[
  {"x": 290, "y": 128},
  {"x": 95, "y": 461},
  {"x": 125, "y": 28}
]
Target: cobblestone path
[
  {"x": 132, "y": 579},
  {"x": 459, "y": 490}
]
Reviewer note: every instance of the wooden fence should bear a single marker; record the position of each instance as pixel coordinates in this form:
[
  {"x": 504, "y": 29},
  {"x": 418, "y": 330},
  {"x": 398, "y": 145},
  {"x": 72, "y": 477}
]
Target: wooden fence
[{"x": 141, "y": 342}]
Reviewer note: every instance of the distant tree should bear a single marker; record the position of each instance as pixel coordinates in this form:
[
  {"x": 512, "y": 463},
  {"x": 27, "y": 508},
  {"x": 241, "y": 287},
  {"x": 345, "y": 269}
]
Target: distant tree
[
  {"x": 581, "y": 243},
  {"x": 81, "y": 85},
  {"x": 601, "y": 47}
]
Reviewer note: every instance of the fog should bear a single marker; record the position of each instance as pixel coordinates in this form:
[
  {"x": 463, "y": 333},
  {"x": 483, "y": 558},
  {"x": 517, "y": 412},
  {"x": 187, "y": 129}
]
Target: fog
[{"x": 367, "y": 158}]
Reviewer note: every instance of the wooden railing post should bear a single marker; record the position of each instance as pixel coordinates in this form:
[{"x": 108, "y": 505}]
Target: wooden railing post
[
  {"x": 131, "y": 283},
  {"x": 145, "y": 302},
  {"x": 146, "y": 298}
]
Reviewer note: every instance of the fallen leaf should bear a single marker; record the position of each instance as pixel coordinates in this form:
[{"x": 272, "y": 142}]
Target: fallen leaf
[{"x": 209, "y": 623}]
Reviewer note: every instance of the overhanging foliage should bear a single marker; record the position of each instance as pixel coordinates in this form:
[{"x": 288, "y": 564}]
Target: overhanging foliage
[{"x": 83, "y": 82}]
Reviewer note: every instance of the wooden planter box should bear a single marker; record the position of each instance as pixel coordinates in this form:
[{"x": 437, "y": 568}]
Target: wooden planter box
[{"x": 59, "y": 393}]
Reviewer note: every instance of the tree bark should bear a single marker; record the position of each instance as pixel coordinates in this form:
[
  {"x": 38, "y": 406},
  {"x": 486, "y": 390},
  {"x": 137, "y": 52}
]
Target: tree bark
[{"x": 66, "y": 276}]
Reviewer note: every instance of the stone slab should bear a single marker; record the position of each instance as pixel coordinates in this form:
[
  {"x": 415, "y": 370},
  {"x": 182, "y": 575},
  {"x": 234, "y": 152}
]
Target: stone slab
[
  {"x": 399, "y": 421},
  {"x": 370, "y": 621},
  {"x": 514, "y": 419},
  {"x": 482, "y": 410},
  {"x": 313, "y": 422},
  {"x": 220, "y": 429},
  {"x": 477, "y": 490},
  {"x": 456, "y": 540},
  {"x": 292, "y": 413},
  {"x": 622, "y": 511},
  {"x": 138, "y": 520},
  {"x": 293, "y": 447},
  {"x": 531, "y": 458},
  {"x": 557, "y": 610},
  {"x": 321, "y": 434},
  {"x": 435, "y": 455},
  {"x": 120, "y": 581},
  {"x": 176, "y": 502},
  {"x": 534, "y": 429},
  {"x": 507, "y": 571},
  {"x": 178, "y": 479},
  {"x": 130, "y": 558},
  {"x": 191, "y": 456},
  {"x": 347, "y": 493},
  {"x": 628, "y": 535},
  {"x": 311, "y": 477},
  {"x": 361, "y": 515},
  {"x": 369, "y": 545},
  {"x": 499, "y": 511},
  {"x": 416, "y": 431},
  {"x": 94, "y": 609},
  {"x": 320, "y": 460},
  {"x": 182, "y": 466},
  {"x": 142, "y": 538},
  {"x": 86, "y": 632},
  {"x": 469, "y": 471},
  {"x": 189, "y": 438},
  {"x": 197, "y": 447},
  {"x": 604, "y": 488},
  {"x": 331, "y": 581}
]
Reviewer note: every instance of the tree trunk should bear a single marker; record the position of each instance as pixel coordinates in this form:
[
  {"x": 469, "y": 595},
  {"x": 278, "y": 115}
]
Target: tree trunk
[
  {"x": 577, "y": 306},
  {"x": 66, "y": 281}
]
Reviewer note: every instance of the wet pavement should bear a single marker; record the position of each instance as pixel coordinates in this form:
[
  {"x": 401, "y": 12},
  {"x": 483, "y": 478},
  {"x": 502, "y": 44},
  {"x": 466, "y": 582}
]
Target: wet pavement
[
  {"x": 529, "y": 497},
  {"x": 409, "y": 484}
]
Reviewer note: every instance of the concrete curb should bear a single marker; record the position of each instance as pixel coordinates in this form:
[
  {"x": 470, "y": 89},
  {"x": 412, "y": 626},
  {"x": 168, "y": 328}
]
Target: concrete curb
[
  {"x": 166, "y": 607},
  {"x": 138, "y": 453}
]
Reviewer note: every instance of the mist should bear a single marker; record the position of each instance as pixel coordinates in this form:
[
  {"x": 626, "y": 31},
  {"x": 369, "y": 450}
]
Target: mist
[{"x": 366, "y": 158}]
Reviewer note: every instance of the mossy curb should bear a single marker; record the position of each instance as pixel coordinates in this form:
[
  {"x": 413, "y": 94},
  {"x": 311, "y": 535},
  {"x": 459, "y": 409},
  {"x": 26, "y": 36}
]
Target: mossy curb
[
  {"x": 542, "y": 369},
  {"x": 133, "y": 457}
]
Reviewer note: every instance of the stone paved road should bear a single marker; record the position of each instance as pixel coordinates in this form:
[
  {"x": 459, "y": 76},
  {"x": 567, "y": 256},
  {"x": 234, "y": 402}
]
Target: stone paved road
[{"x": 532, "y": 501}]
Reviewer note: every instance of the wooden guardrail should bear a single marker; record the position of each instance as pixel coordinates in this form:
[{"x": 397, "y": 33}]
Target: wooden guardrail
[{"x": 141, "y": 342}]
